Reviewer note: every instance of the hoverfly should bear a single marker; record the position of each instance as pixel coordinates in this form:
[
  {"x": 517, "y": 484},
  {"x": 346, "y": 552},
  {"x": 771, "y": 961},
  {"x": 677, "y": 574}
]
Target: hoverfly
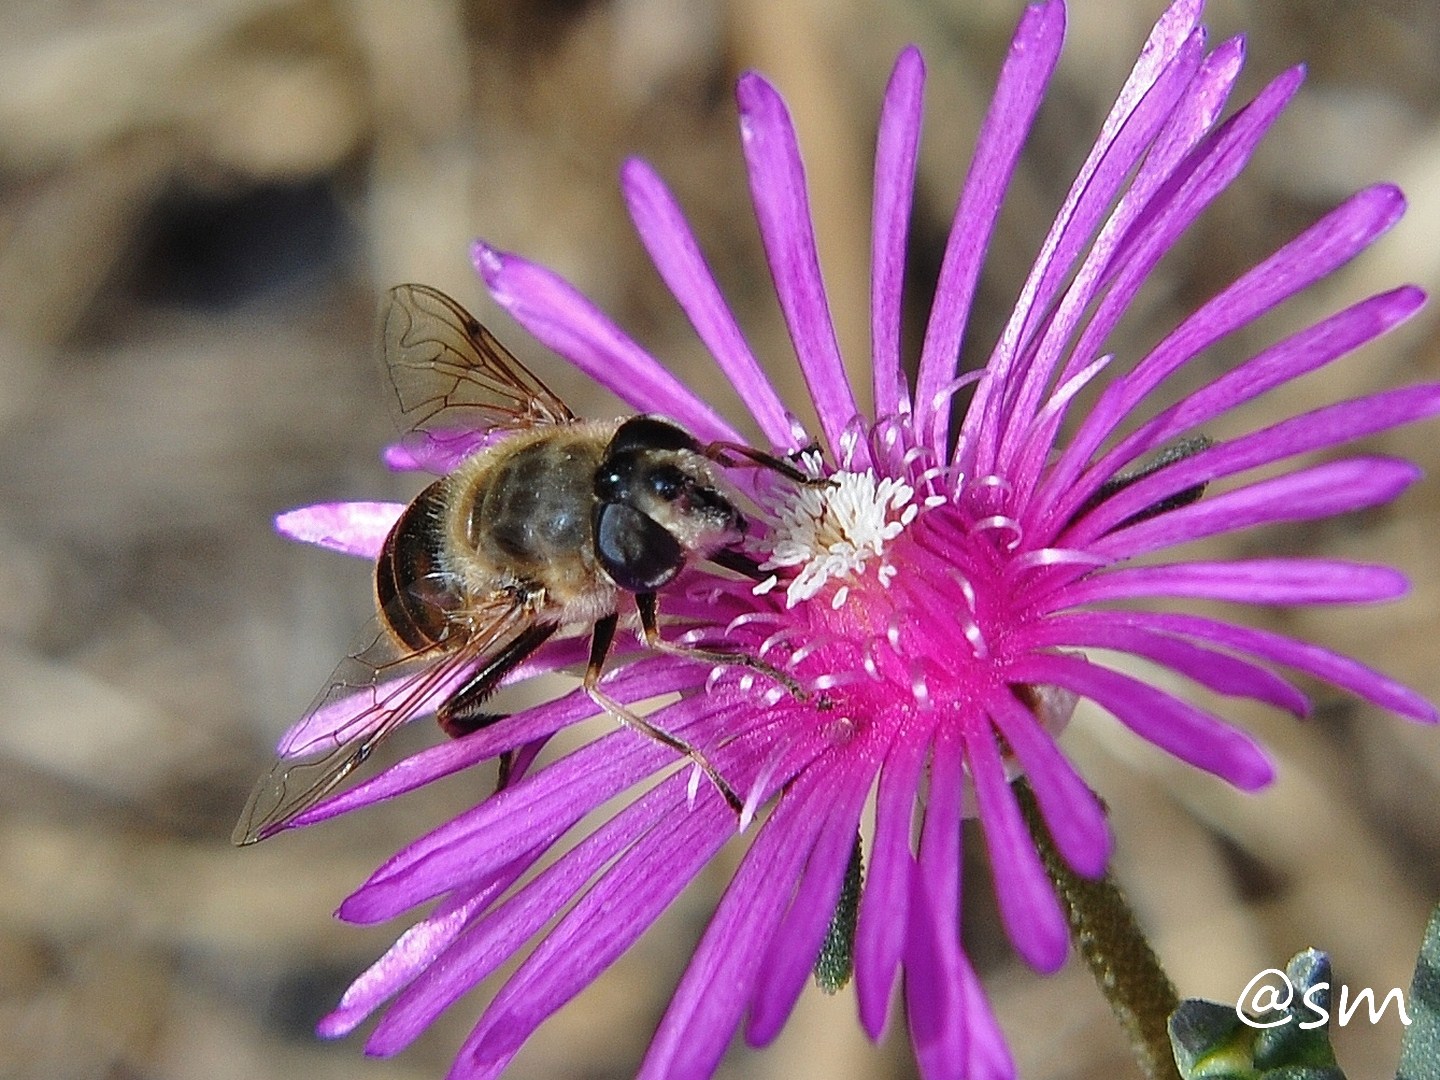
[{"x": 551, "y": 521}]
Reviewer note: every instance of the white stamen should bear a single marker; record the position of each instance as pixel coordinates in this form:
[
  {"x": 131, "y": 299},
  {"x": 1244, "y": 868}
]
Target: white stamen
[
  {"x": 919, "y": 688},
  {"x": 871, "y": 668},
  {"x": 835, "y": 531}
]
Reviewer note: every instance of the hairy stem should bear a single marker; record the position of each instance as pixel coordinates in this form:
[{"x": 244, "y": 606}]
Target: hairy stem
[{"x": 1104, "y": 929}]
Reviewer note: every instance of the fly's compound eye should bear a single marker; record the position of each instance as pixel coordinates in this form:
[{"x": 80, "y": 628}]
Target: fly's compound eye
[{"x": 639, "y": 554}]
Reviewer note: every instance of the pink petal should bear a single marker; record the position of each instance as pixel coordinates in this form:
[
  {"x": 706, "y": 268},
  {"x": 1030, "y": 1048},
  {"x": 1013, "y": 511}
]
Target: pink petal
[
  {"x": 1342, "y": 671},
  {"x": 1028, "y": 66},
  {"x": 1318, "y": 251},
  {"x": 667, "y": 237},
  {"x": 351, "y": 528},
  {"x": 413, "y": 954},
  {"x": 1188, "y": 732},
  {"x": 438, "y": 452},
  {"x": 707, "y": 1003},
  {"x": 1025, "y": 362},
  {"x": 592, "y": 935},
  {"x": 798, "y": 939},
  {"x": 880, "y": 935},
  {"x": 896, "y": 150},
  {"x": 1336, "y": 487},
  {"x": 1321, "y": 429},
  {"x": 1219, "y": 671},
  {"x": 782, "y": 210},
  {"x": 1033, "y": 919},
  {"x": 1072, "y": 813},
  {"x": 560, "y": 316},
  {"x": 492, "y": 940},
  {"x": 1247, "y": 581}
]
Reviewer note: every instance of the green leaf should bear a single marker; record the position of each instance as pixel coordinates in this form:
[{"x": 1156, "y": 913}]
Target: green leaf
[{"x": 1213, "y": 1042}]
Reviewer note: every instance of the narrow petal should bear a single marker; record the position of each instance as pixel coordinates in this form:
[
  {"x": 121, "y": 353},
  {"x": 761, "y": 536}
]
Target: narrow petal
[
  {"x": 1327, "y": 427},
  {"x": 1023, "y": 79},
  {"x": 592, "y": 935},
  {"x": 1029, "y": 353},
  {"x": 337, "y": 722},
  {"x": 1072, "y": 813},
  {"x": 880, "y": 934},
  {"x": 436, "y": 452},
  {"x": 1033, "y": 919},
  {"x": 707, "y": 1004},
  {"x": 1195, "y": 113},
  {"x": 1336, "y": 487},
  {"x": 940, "y": 860},
  {"x": 782, "y": 209},
  {"x": 896, "y": 151},
  {"x": 454, "y": 755},
  {"x": 1198, "y": 181},
  {"x": 1190, "y": 733},
  {"x": 493, "y": 940},
  {"x": 1218, "y": 671},
  {"x": 987, "y": 1053},
  {"x": 932, "y": 987},
  {"x": 351, "y": 528},
  {"x": 1158, "y": 84},
  {"x": 560, "y": 316},
  {"x": 951, "y": 1025},
  {"x": 528, "y": 815},
  {"x": 1342, "y": 671},
  {"x": 798, "y": 939},
  {"x": 672, "y": 246},
  {"x": 1178, "y": 202},
  {"x": 1247, "y": 581},
  {"x": 534, "y": 812},
  {"x": 1326, "y": 245},
  {"x": 415, "y": 952}
]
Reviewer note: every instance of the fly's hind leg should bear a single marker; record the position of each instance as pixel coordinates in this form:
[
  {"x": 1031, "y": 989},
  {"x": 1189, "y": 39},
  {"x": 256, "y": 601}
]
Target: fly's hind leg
[
  {"x": 600, "y": 642},
  {"x": 463, "y": 713},
  {"x": 649, "y": 606}
]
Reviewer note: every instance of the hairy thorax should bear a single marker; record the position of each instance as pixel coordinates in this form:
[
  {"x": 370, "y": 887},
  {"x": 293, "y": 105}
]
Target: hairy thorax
[{"x": 520, "y": 517}]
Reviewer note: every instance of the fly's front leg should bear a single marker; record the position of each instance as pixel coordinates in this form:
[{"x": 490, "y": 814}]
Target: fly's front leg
[
  {"x": 600, "y": 641},
  {"x": 725, "y": 453},
  {"x": 649, "y": 607}
]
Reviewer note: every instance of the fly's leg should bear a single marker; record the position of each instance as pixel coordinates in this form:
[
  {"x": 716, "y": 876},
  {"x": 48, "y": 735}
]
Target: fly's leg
[
  {"x": 649, "y": 606},
  {"x": 600, "y": 641},
  {"x": 725, "y": 453},
  {"x": 463, "y": 715}
]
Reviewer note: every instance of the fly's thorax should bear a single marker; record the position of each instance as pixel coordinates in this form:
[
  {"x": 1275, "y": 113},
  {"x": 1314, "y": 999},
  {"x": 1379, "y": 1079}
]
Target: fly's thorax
[{"x": 519, "y": 516}]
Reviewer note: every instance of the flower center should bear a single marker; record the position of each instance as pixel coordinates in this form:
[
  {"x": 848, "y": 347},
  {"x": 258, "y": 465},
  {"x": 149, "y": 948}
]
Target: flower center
[{"x": 835, "y": 532}]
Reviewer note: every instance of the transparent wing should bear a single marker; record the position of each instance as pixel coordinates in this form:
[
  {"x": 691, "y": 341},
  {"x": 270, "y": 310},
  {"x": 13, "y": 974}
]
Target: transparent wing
[
  {"x": 450, "y": 375},
  {"x": 375, "y": 689}
]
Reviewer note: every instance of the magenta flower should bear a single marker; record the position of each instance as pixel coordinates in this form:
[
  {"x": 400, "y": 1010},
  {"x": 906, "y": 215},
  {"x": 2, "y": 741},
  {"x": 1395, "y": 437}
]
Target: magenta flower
[{"x": 938, "y": 597}]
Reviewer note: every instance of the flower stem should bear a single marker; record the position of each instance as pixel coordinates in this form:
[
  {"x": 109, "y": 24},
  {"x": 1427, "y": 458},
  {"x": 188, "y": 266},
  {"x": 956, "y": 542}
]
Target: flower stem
[{"x": 1104, "y": 929}]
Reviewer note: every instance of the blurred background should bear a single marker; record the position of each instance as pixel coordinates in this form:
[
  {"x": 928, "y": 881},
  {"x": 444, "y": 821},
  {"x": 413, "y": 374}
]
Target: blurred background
[{"x": 200, "y": 201}]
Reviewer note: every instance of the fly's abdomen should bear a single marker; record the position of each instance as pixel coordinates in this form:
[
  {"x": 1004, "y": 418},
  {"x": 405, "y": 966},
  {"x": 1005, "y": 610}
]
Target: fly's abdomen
[{"x": 414, "y": 595}]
